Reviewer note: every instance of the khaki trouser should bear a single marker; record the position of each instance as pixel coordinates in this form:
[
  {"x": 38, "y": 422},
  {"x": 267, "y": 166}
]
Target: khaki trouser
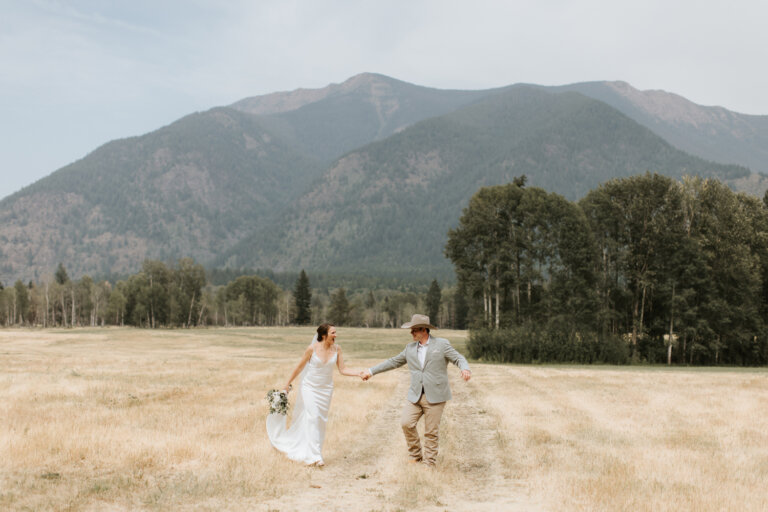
[{"x": 432, "y": 414}]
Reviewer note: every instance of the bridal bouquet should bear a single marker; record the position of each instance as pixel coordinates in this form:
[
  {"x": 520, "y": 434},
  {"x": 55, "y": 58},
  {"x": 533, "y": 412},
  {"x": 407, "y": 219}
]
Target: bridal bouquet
[{"x": 278, "y": 402}]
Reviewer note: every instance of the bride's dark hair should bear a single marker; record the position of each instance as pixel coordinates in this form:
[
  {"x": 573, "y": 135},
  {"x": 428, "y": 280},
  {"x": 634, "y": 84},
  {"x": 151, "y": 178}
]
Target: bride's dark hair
[{"x": 322, "y": 331}]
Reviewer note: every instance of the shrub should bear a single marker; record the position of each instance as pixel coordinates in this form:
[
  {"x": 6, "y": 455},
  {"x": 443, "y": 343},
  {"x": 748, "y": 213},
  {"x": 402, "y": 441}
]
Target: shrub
[{"x": 552, "y": 343}]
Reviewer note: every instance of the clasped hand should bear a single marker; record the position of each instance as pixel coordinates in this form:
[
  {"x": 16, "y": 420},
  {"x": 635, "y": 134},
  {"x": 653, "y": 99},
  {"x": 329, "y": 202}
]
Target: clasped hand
[{"x": 366, "y": 374}]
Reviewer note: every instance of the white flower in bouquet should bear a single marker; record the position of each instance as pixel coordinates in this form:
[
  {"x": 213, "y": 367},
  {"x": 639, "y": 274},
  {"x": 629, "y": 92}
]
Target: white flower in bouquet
[{"x": 278, "y": 402}]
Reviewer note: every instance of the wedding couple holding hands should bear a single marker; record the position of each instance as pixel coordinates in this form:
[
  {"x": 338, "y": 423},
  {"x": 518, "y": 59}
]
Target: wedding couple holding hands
[{"x": 427, "y": 358}]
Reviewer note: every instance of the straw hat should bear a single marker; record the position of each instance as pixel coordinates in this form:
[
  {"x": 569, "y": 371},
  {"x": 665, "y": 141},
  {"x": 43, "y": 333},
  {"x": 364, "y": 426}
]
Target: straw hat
[{"x": 418, "y": 321}]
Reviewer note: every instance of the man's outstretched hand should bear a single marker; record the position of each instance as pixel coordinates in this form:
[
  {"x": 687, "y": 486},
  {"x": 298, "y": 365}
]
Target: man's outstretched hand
[
  {"x": 466, "y": 374},
  {"x": 365, "y": 374}
]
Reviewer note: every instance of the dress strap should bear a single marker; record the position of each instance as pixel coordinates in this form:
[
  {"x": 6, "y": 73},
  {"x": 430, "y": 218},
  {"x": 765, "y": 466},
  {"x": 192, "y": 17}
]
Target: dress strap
[{"x": 334, "y": 352}]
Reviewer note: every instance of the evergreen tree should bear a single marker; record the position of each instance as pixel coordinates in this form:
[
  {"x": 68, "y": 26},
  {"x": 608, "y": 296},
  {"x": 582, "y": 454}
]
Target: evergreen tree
[
  {"x": 303, "y": 297},
  {"x": 61, "y": 274},
  {"x": 339, "y": 312},
  {"x": 460, "y": 307},
  {"x": 433, "y": 301},
  {"x": 22, "y": 301}
]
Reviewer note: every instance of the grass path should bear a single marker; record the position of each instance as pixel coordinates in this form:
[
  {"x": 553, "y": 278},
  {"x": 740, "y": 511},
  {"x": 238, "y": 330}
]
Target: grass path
[
  {"x": 374, "y": 473},
  {"x": 352, "y": 478}
]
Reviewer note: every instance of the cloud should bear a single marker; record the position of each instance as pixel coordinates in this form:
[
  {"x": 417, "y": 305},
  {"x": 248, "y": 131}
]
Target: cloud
[{"x": 78, "y": 73}]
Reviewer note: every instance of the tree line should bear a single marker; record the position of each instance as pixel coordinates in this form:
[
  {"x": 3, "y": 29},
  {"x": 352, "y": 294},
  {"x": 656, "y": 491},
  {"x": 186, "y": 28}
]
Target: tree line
[
  {"x": 162, "y": 295},
  {"x": 642, "y": 269}
]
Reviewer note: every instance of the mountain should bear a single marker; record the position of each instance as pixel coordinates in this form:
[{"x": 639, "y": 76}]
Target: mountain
[
  {"x": 387, "y": 207},
  {"x": 713, "y": 133},
  {"x": 203, "y": 183},
  {"x": 189, "y": 188},
  {"x": 363, "y": 176},
  {"x": 329, "y": 122}
]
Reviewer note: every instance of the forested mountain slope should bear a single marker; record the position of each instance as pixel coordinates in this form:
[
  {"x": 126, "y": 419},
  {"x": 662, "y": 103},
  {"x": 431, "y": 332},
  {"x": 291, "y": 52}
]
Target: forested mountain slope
[
  {"x": 192, "y": 188},
  {"x": 203, "y": 183},
  {"x": 713, "y": 133},
  {"x": 363, "y": 176},
  {"x": 387, "y": 207}
]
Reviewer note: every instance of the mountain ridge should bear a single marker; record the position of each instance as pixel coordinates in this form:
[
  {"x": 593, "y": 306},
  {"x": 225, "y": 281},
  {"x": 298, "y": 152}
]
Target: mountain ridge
[
  {"x": 213, "y": 184},
  {"x": 711, "y": 132}
]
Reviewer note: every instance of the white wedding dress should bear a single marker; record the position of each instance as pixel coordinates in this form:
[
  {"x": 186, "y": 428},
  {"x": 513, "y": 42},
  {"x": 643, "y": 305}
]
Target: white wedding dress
[{"x": 303, "y": 441}]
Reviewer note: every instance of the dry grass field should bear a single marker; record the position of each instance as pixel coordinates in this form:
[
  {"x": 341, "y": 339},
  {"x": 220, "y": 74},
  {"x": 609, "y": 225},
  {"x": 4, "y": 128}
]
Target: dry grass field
[{"x": 127, "y": 419}]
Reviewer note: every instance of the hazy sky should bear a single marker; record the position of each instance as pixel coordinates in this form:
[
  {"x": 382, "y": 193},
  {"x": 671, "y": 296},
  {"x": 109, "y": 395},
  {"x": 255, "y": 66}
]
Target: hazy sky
[{"x": 76, "y": 74}]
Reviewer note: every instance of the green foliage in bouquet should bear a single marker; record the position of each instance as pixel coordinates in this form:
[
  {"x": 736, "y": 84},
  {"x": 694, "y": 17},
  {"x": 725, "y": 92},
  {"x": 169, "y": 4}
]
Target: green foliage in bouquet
[{"x": 278, "y": 402}]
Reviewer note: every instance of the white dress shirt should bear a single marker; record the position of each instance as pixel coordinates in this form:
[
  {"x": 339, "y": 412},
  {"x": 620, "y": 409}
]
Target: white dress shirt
[{"x": 421, "y": 351}]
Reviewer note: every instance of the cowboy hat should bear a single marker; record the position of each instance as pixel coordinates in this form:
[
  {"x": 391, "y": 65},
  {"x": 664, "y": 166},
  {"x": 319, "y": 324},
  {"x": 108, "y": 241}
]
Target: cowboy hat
[{"x": 418, "y": 321}]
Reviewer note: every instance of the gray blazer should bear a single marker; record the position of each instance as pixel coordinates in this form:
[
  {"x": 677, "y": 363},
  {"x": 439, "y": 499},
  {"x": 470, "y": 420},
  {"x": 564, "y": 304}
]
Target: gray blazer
[{"x": 433, "y": 378}]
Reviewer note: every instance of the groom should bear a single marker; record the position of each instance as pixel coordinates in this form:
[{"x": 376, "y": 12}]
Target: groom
[{"x": 427, "y": 360}]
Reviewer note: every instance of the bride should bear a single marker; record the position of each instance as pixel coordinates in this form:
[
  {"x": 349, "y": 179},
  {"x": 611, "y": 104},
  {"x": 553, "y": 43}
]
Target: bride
[{"x": 303, "y": 441}]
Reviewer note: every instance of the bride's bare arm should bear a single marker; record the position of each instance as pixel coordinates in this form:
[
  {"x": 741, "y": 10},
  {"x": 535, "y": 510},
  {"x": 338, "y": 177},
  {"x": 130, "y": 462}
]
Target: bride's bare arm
[
  {"x": 343, "y": 368},
  {"x": 304, "y": 358}
]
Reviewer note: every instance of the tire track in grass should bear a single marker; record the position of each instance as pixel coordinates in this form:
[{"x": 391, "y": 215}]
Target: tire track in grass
[
  {"x": 473, "y": 469},
  {"x": 476, "y": 456},
  {"x": 352, "y": 481}
]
